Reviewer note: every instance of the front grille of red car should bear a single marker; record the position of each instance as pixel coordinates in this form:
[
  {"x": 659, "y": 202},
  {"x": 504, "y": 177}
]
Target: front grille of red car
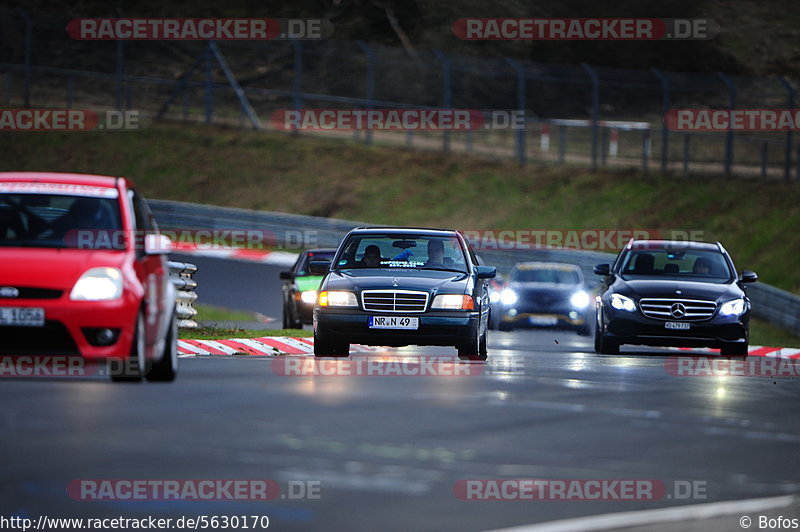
[
  {"x": 52, "y": 339},
  {"x": 28, "y": 292}
]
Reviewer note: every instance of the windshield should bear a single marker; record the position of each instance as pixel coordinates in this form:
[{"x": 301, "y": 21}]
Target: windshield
[
  {"x": 545, "y": 275},
  {"x": 59, "y": 221},
  {"x": 402, "y": 251},
  {"x": 697, "y": 265}
]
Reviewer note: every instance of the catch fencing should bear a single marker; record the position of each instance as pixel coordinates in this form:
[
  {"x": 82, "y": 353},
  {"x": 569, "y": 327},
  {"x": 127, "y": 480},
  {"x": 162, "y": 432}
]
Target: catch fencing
[{"x": 576, "y": 114}]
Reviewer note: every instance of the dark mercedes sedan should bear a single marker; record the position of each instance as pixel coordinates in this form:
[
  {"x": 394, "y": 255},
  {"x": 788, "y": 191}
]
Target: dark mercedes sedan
[
  {"x": 668, "y": 293},
  {"x": 391, "y": 286}
]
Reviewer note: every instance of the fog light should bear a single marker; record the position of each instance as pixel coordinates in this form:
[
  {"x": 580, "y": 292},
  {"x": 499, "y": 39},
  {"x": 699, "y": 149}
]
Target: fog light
[
  {"x": 573, "y": 315},
  {"x": 512, "y": 312},
  {"x": 101, "y": 337}
]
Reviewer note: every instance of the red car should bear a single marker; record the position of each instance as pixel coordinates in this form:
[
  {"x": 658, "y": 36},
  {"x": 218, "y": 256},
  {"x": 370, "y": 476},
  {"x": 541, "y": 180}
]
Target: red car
[{"x": 83, "y": 271}]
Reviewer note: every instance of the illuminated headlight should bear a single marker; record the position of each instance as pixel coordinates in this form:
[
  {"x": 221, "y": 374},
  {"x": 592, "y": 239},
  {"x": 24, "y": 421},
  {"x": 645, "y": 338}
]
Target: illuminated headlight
[
  {"x": 98, "y": 284},
  {"x": 453, "y": 302},
  {"x": 732, "y": 308},
  {"x": 309, "y": 296},
  {"x": 337, "y": 299},
  {"x": 508, "y": 297},
  {"x": 494, "y": 297},
  {"x": 580, "y": 299},
  {"x": 621, "y": 302}
]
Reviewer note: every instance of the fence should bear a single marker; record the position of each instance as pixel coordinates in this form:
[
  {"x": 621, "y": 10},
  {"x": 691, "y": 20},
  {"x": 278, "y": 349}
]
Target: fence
[
  {"x": 779, "y": 307},
  {"x": 585, "y": 110}
]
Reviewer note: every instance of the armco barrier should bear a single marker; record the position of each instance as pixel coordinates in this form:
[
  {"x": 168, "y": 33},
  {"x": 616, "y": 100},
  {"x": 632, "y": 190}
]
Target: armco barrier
[
  {"x": 181, "y": 276},
  {"x": 777, "y": 306}
]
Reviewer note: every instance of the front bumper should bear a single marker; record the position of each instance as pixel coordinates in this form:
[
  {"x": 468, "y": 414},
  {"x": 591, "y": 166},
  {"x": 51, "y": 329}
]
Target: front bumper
[
  {"x": 443, "y": 328},
  {"x": 65, "y": 322},
  {"x": 634, "y": 328}
]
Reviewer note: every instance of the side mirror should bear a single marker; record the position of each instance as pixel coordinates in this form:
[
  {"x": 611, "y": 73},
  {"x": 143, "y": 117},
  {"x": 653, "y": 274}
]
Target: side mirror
[
  {"x": 319, "y": 267},
  {"x": 602, "y": 269},
  {"x": 748, "y": 276},
  {"x": 157, "y": 245},
  {"x": 286, "y": 276},
  {"x": 485, "y": 272}
]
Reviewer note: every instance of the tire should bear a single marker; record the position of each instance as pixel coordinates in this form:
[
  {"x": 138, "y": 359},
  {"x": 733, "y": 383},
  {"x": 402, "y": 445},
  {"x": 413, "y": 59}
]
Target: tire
[
  {"x": 734, "y": 350},
  {"x": 286, "y": 320},
  {"x": 584, "y": 330},
  {"x": 475, "y": 349},
  {"x": 133, "y": 368},
  {"x": 330, "y": 349},
  {"x": 603, "y": 345},
  {"x": 503, "y": 326},
  {"x": 166, "y": 369}
]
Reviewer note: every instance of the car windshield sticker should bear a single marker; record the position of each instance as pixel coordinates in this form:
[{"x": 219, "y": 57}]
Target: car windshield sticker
[{"x": 61, "y": 189}]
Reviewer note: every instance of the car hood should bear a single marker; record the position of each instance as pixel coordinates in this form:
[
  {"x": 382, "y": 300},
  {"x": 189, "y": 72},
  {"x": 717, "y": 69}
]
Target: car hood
[
  {"x": 427, "y": 280},
  {"x": 689, "y": 289},
  {"x": 55, "y": 268}
]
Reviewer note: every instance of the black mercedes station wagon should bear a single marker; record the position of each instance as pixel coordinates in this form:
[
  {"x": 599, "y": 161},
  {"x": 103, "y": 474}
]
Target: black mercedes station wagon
[
  {"x": 390, "y": 286},
  {"x": 671, "y": 293}
]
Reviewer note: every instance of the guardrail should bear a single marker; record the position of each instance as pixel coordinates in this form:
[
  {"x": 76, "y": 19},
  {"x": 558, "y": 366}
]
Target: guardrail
[
  {"x": 181, "y": 275},
  {"x": 777, "y": 306}
]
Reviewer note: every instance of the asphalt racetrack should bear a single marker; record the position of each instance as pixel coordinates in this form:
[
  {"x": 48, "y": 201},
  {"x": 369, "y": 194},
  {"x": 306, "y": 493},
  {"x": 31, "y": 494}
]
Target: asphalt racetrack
[{"x": 389, "y": 452}]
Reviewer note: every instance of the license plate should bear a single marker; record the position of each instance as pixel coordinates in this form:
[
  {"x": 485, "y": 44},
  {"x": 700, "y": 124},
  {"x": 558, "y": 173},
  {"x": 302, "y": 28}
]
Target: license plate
[
  {"x": 22, "y": 316},
  {"x": 393, "y": 322},
  {"x": 543, "y": 320},
  {"x": 677, "y": 325}
]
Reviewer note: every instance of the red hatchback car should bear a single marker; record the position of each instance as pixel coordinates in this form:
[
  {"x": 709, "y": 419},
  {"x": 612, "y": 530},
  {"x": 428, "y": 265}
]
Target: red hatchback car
[{"x": 83, "y": 271}]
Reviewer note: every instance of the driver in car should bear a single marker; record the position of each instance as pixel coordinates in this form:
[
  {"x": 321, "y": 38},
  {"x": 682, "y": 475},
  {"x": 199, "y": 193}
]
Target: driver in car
[
  {"x": 436, "y": 258},
  {"x": 372, "y": 257}
]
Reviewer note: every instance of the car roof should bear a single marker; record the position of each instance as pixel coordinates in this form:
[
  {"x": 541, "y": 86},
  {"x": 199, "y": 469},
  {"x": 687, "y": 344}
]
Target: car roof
[
  {"x": 543, "y": 265},
  {"x": 319, "y": 250},
  {"x": 61, "y": 178},
  {"x": 673, "y": 244},
  {"x": 394, "y": 229}
]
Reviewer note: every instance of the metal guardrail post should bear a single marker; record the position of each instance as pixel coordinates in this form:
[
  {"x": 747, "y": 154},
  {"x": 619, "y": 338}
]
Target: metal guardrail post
[
  {"x": 686, "y": 140},
  {"x": 666, "y": 104},
  {"x": 595, "y": 110},
  {"x": 447, "y": 93},
  {"x": 181, "y": 276},
  {"x": 731, "y": 105},
  {"x": 521, "y": 144},
  {"x": 118, "y": 75},
  {"x": 297, "y": 96},
  {"x": 28, "y": 53},
  {"x": 209, "y": 100},
  {"x": 370, "y": 88},
  {"x": 787, "y": 164},
  {"x": 247, "y": 109},
  {"x": 562, "y": 144}
]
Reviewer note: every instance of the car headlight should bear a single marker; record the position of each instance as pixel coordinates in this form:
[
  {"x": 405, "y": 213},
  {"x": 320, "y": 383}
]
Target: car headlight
[
  {"x": 98, "y": 284},
  {"x": 580, "y": 299},
  {"x": 732, "y": 308},
  {"x": 336, "y": 299},
  {"x": 453, "y": 302},
  {"x": 309, "y": 296},
  {"x": 508, "y": 297},
  {"x": 620, "y": 302}
]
